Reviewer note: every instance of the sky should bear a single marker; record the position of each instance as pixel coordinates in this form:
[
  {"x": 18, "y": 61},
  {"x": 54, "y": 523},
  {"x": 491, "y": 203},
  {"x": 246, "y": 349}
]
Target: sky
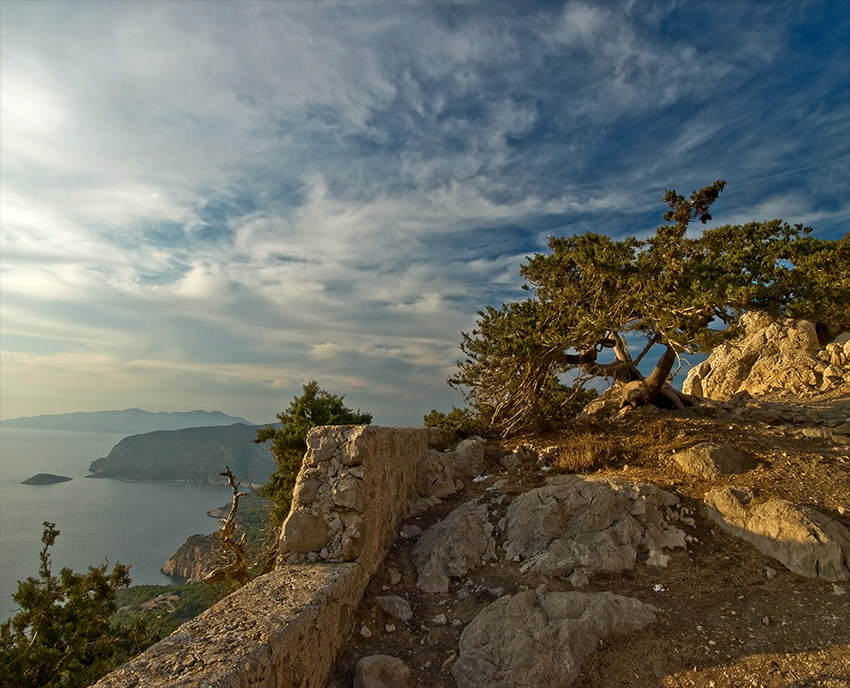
[{"x": 205, "y": 205}]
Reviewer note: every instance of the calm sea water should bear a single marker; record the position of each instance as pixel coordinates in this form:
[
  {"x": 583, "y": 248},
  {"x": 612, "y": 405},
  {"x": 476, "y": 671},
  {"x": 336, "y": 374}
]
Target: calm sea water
[{"x": 101, "y": 520}]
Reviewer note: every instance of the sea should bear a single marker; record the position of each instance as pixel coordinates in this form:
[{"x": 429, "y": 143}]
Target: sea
[{"x": 101, "y": 520}]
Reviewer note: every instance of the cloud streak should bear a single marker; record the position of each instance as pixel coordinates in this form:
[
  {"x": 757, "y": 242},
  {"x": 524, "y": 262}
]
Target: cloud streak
[{"x": 208, "y": 205}]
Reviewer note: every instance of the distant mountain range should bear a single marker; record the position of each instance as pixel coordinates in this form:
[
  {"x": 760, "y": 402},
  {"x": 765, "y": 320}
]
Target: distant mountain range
[
  {"x": 127, "y": 422},
  {"x": 195, "y": 455}
]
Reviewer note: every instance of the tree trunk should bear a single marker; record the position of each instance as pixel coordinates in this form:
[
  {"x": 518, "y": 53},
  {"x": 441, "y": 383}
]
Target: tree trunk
[
  {"x": 655, "y": 389},
  {"x": 627, "y": 373}
]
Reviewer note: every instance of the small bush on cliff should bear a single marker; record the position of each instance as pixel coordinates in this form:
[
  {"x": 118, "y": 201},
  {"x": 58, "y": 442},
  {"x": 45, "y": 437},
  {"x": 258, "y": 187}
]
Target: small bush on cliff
[
  {"x": 65, "y": 633},
  {"x": 594, "y": 297},
  {"x": 462, "y": 421},
  {"x": 314, "y": 407},
  {"x": 557, "y": 401}
]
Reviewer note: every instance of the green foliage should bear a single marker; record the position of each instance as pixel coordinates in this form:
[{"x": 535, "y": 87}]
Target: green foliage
[
  {"x": 314, "y": 407},
  {"x": 684, "y": 293},
  {"x": 65, "y": 633},
  {"x": 165, "y": 607},
  {"x": 462, "y": 421}
]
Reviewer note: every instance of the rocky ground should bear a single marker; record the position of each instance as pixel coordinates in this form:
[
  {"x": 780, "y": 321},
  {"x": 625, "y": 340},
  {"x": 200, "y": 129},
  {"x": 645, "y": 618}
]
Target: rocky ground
[{"x": 728, "y": 616}]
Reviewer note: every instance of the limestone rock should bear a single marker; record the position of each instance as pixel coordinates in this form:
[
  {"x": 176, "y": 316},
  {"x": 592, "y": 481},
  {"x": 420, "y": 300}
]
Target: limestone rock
[
  {"x": 348, "y": 493},
  {"x": 805, "y": 541},
  {"x": 469, "y": 458},
  {"x": 381, "y": 671},
  {"x": 304, "y": 532},
  {"x": 539, "y": 638},
  {"x": 578, "y": 525},
  {"x": 439, "y": 472},
  {"x": 436, "y": 475},
  {"x": 773, "y": 357},
  {"x": 396, "y": 607},
  {"x": 709, "y": 460},
  {"x": 196, "y": 558},
  {"x": 454, "y": 546}
]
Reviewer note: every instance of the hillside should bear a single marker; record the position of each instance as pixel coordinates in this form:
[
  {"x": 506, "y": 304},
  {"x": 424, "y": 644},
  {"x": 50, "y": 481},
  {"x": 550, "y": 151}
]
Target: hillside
[
  {"x": 128, "y": 421},
  {"x": 744, "y": 558},
  {"x": 727, "y": 616},
  {"x": 195, "y": 455}
]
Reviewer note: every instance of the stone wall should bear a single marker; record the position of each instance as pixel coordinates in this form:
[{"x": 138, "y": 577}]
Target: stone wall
[
  {"x": 285, "y": 629},
  {"x": 353, "y": 491}
]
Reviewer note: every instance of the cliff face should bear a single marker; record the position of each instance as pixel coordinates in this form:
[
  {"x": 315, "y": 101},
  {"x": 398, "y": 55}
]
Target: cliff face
[
  {"x": 195, "y": 455},
  {"x": 774, "y": 358},
  {"x": 196, "y": 558}
]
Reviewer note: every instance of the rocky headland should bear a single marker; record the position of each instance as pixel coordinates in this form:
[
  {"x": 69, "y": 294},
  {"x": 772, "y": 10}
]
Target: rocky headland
[
  {"x": 196, "y": 558},
  {"x": 197, "y": 455}
]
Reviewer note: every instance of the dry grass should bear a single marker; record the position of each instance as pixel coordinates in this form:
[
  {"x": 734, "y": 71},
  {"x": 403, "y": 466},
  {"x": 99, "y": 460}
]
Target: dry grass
[{"x": 586, "y": 451}]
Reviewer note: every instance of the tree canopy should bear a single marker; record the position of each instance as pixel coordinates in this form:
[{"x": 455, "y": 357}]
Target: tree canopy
[
  {"x": 289, "y": 441},
  {"x": 594, "y": 298},
  {"x": 65, "y": 633}
]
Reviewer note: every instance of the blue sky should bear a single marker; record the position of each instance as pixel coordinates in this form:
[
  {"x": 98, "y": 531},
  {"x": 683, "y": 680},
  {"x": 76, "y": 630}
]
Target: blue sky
[{"x": 208, "y": 204}]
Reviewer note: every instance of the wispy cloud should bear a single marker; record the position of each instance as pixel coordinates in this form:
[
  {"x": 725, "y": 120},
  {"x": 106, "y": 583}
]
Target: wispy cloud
[{"x": 207, "y": 205}]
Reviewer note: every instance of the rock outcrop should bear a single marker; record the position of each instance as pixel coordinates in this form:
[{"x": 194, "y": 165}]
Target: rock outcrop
[
  {"x": 774, "y": 357},
  {"x": 539, "y": 638},
  {"x": 576, "y": 526},
  {"x": 453, "y": 547},
  {"x": 709, "y": 460},
  {"x": 196, "y": 558},
  {"x": 805, "y": 541}
]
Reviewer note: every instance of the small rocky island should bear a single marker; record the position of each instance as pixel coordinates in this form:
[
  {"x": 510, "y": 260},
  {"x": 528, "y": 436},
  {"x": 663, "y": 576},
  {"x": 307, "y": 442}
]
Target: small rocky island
[{"x": 45, "y": 479}]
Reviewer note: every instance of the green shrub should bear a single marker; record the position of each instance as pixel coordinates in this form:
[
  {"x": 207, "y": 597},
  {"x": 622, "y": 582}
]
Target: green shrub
[
  {"x": 65, "y": 633},
  {"x": 289, "y": 441}
]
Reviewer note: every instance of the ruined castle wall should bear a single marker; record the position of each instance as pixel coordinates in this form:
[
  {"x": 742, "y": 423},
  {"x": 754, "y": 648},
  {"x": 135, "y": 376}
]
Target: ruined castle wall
[{"x": 285, "y": 629}]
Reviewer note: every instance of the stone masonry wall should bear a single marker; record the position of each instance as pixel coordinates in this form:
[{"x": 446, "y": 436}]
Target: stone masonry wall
[
  {"x": 352, "y": 493},
  {"x": 284, "y": 629}
]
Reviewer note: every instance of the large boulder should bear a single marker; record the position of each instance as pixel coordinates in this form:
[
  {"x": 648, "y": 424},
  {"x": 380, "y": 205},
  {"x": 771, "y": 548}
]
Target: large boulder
[
  {"x": 576, "y": 526},
  {"x": 539, "y": 638},
  {"x": 709, "y": 460},
  {"x": 773, "y": 357},
  {"x": 457, "y": 544},
  {"x": 805, "y": 541}
]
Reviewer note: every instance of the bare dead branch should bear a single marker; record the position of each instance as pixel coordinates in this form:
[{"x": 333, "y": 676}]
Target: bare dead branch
[{"x": 236, "y": 567}]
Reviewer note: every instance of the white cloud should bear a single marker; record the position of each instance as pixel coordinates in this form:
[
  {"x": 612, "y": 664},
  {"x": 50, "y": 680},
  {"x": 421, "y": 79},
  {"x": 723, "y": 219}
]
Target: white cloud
[{"x": 238, "y": 197}]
